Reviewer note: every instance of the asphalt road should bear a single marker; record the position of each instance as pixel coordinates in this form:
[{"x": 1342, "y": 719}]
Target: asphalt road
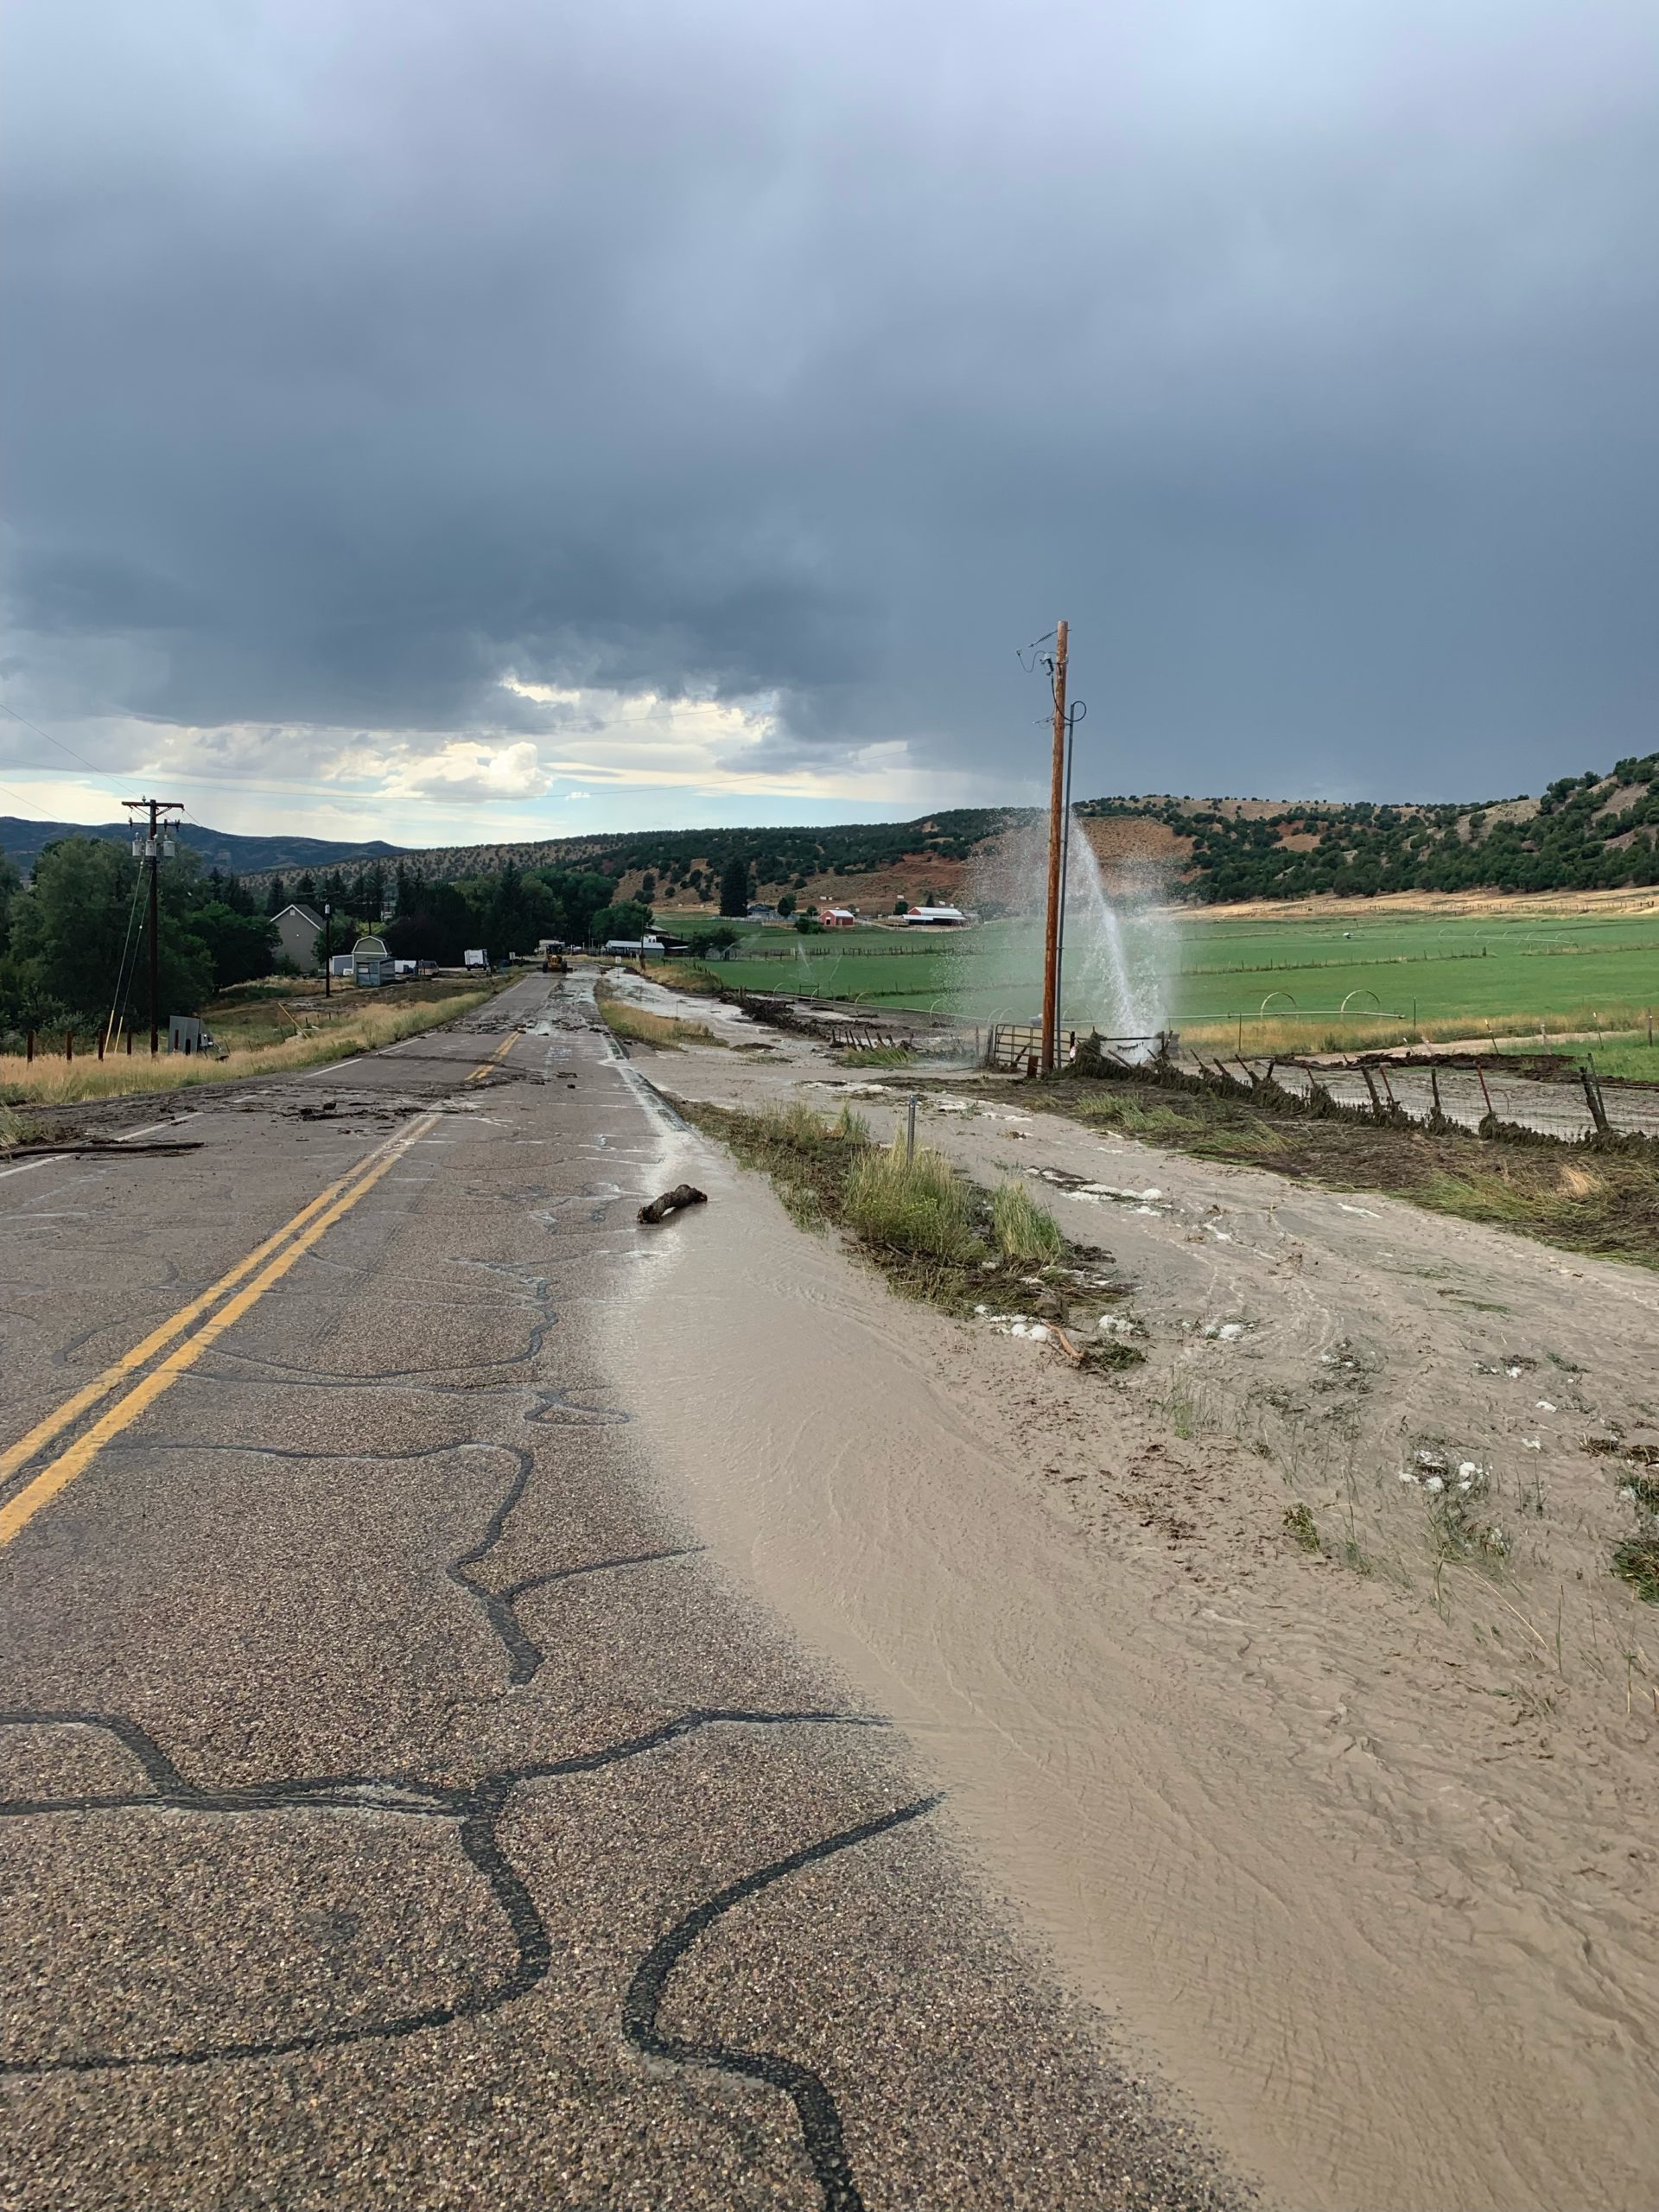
[{"x": 395, "y": 1807}]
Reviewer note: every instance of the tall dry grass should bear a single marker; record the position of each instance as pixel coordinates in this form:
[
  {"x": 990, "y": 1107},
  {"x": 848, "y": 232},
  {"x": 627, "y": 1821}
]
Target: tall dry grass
[
  {"x": 68, "y": 1083},
  {"x": 637, "y": 1026},
  {"x": 1284, "y": 1036}
]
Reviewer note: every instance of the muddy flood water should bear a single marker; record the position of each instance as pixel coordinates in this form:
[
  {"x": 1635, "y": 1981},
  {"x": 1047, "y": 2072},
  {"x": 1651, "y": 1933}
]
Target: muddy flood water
[{"x": 1360, "y": 1862}]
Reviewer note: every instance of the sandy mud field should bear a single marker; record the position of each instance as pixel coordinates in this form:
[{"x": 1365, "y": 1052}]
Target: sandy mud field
[{"x": 1281, "y": 1680}]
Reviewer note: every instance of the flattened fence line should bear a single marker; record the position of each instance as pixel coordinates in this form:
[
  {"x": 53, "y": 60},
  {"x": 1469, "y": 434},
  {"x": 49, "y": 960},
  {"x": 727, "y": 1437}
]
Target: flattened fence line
[{"x": 1382, "y": 1106}]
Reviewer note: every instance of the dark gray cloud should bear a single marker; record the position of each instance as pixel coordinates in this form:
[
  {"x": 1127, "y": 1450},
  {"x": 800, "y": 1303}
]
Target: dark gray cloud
[{"x": 359, "y": 354}]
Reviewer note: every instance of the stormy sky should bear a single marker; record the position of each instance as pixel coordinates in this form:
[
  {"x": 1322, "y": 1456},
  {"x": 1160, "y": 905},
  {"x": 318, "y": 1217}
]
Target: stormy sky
[{"x": 446, "y": 421}]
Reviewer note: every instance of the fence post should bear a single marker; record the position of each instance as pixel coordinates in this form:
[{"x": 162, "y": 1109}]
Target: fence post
[
  {"x": 100, "y": 1044},
  {"x": 1592, "y": 1096},
  {"x": 68, "y": 1044},
  {"x": 909, "y": 1128},
  {"x": 28, "y": 1047},
  {"x": 129, "y": 1043}
]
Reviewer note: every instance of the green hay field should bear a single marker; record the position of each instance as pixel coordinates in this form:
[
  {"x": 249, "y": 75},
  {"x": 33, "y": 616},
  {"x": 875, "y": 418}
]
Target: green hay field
[{"x": 1288, "y": 984}]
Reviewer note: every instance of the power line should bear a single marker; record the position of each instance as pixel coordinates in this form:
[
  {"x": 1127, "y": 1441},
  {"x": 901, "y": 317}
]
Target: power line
[
  {"x": 103, "y": 776},
  {"x": 119, "y": 999}
]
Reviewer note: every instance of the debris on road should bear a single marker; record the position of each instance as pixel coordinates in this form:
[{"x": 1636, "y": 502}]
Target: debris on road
[
  {"x": 97, "y": 1145},
  {"x": 683, "y": 1194}
]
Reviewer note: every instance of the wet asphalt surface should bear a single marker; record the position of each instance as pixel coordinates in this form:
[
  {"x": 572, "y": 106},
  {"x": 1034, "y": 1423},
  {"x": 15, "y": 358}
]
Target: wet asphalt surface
[{"x": 395, "y": 1807}]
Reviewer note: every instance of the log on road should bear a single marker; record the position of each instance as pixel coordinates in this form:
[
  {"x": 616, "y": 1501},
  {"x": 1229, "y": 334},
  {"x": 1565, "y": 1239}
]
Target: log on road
[{"x": 683, "y": 1194}]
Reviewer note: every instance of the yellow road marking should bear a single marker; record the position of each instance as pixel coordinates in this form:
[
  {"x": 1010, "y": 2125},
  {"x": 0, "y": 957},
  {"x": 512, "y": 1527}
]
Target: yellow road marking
[
  {"x": 47, "y": 1484},
  {"x": 496, "y": 1056},
  {"x": 324, "y": 1209},
  {"x": 43, "y": 1431}
]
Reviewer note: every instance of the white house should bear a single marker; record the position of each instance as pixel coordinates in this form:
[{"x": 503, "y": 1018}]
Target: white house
[{"x": 936, "y": 917}]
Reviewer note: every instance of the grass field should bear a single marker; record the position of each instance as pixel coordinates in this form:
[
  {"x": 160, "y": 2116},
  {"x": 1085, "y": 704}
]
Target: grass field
[
  {"x": 1290, "y": 982},
  {"x": 260, "y": 1039}
]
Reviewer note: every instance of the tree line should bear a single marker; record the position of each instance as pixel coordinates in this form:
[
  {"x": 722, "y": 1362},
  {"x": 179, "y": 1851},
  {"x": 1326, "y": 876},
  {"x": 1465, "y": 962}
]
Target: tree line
[{"x": 74, "y": 955}]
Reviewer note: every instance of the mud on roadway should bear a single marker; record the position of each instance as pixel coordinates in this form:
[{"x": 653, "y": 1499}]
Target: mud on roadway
[
  {"x": 1356, "y": 1842},
  {"x": 409, "y": 1796}
]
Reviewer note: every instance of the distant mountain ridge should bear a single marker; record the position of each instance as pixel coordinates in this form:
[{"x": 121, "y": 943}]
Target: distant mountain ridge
[
  {"x": 25, "y": 841},
  {"x": 1591, "y": 831}
]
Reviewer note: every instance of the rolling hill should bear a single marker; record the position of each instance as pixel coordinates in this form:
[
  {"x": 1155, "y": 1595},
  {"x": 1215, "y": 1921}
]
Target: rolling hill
[
  {"x": 1587, "y": 832},
  {"x": 1591, "y": 831},
  {"x": 24, "y": 841}
]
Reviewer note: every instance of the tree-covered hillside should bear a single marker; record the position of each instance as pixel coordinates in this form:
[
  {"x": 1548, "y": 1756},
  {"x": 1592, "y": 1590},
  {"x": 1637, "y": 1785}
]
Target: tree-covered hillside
[
  {"x": 687, "y": 865},
  {"x": 1588, "y": 832}
]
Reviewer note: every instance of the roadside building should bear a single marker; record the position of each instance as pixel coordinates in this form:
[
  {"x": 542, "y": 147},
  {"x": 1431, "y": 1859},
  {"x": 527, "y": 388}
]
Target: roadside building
[
  {"x": 297, "y": 929},
  {"x": 936, "y": 917},
  {"x": 838, "y": 918},
  {"x": 760, "y": 910},
  {"x": 371, "y": 964}
]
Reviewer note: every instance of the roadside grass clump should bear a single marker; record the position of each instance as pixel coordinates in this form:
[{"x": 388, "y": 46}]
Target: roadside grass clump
[
  {"x": 691, "y": 978},
  {"x": 1301, "y": 1528},
  {"x": 1026, "y": 1234},
  {"x": 634, "y": 1024},
  {"x": 851, "y": 1126},
  {"x": 1192, "y": 1409},
  {"x": 11, "y": 1129},
  {"x": 1635, "y": 1562},
  {"x": 930, "y": 1232},
  {"x": 61, "y": 1082},
  {"x": 912, "y": 1203},
  {"x": 795, "y": 1124},
  {"x": 806, "y": 1158},
  {"x": 1636, "y": 1557}
]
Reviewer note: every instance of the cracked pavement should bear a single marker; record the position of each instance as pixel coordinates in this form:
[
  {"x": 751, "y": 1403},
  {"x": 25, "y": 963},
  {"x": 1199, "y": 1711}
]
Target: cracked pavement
[{"x": 397, "y": 1806}]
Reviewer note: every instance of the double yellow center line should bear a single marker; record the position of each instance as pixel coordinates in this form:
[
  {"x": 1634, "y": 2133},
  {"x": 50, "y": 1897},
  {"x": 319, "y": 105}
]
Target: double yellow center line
[
  {"x": 496, "y": 1057},
  {"x": 133, "y": 1384}
]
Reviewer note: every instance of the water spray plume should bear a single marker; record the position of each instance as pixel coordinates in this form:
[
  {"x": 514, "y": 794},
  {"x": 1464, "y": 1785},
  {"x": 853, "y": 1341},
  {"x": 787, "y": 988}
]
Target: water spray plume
[{"x": 1121, "y": 946}]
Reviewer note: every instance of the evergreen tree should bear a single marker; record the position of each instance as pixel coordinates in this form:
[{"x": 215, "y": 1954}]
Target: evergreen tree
[{"x": 734, "y": 886}]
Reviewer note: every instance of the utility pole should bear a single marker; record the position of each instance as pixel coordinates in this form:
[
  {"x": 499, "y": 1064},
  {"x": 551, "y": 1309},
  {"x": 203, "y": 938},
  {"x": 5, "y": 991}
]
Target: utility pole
[
  {"x": 147, "y": 842},
  {"x": 1074, "y": 714},
  {"x": 328, "y": 948},
  {"x": 1056, "y": 848}
]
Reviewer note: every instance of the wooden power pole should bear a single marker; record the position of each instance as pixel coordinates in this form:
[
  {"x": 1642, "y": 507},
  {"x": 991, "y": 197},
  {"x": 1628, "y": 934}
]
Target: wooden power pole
[
  {"x": 147, "y": 845},
  {"x": 1056, "y": 827}
]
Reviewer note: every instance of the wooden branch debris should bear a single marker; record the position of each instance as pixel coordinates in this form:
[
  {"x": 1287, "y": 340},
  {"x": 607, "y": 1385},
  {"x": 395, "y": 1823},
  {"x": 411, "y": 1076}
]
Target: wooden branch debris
[
  {"x": 112, "y": 1147},
  {"x": 683, "y": 1194}
]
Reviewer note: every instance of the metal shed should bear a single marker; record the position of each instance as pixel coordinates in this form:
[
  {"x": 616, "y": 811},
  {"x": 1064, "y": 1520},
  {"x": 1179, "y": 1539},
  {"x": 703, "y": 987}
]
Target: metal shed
[{"x": 371, "y": 964}]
